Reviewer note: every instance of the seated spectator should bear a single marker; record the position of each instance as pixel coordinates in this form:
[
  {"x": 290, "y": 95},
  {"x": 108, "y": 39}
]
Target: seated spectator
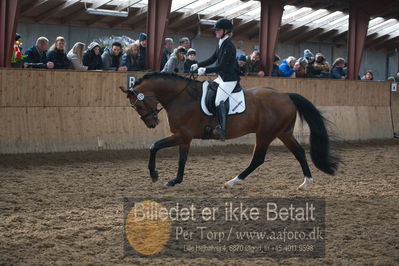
[
  {"x": 36, "y": 56},
  {"x": 166, "y": 51},
  {"x": 112, "y": 57},
  {"x": 75, "y": 56},
  {"x": 301, "y": 68},
  {"x": 190, "y": 60},
  {"x": 321, "y": 68},
  {"x": 185, "y": 42},
  {"x": 287, "y": 67},
  {"x": 368, "y": 75},
  {"x": 130, "y": 59},
  {"x": 175, "y": 63},
  {"x": 57, "y": 55},
  {"x": 253, "y": 65},
  {"x": 92, "y": 57},
  {"x": 337, "y": 71},
  {"x": 142, "y": 51},
  {"x": 275, "y": 70},
  {"x": 241, "y": 61}
]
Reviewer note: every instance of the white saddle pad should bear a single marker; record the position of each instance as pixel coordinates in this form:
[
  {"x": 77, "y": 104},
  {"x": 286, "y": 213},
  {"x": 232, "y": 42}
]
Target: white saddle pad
[{"x": 236, "y": 101}]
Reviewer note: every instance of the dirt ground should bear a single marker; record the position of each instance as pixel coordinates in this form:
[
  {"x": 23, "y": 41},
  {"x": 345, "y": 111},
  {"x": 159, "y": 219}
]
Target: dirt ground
[{"x": 68, "y": 208}]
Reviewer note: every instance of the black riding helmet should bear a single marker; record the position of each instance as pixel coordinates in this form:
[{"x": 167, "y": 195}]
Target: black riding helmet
[{"x": 224, "y": 24}]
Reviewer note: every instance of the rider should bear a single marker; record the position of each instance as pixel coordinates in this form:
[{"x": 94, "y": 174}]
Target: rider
[{"x": 225, "y": 56}]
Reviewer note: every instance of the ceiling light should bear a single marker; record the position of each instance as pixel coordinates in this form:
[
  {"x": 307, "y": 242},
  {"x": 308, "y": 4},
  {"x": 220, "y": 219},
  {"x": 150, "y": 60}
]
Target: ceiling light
[{"x": 107, "y": 12}]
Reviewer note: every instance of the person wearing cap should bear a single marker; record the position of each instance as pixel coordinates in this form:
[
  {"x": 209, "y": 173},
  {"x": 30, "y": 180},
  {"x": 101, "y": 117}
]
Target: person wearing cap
[
  {"x": 287, "y": 67},
  {"x": 143, "y": 53},
  {"x": 225, "y": 58},
  {"x": 92, "y": 57},
  {"x": 57, "y": 55},
  {"x": 241, "y": 61},
  {"x": 175, "y": 63},
  {"x": 301, "y": 68},
  {"x": 190, "y": 60}
]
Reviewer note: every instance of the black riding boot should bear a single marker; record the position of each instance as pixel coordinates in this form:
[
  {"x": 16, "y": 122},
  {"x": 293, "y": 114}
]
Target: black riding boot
[{"x": 221, "y": 112}]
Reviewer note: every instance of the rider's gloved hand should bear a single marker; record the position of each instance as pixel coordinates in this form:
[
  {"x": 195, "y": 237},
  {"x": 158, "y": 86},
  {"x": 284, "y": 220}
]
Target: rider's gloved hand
[
  {"x": 194, "y": 67},
  {"x": 201, "y": 71}
]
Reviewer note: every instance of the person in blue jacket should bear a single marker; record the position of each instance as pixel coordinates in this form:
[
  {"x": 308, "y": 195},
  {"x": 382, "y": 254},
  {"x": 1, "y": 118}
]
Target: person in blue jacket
[{"x": 287, "y": 67}]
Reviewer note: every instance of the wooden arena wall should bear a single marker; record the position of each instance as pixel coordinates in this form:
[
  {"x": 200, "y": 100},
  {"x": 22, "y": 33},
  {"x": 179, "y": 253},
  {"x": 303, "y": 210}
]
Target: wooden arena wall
[{"x": 60, "y": 111}]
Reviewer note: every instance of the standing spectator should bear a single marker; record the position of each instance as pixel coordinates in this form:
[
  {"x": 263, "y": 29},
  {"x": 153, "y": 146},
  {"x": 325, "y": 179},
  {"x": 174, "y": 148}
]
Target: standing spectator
[
  {"x": 112, "y": 57},
  {"x": 75, "y": 56},
  {"x": 191, "y": 56},
  {"x": 253, "y": 65},
  {"x": 143, "y": 53},
  {"x": 37, "y": 55},
  {"x": 301, "y": 68},
  {"x": 175, "y": 63},
  {"x": 185, "y": 42},
  {"x": 166, "y": 51},
  {"x": 276, "y": 71},
  {"x": 287, "y": 67},
  {"x": 57, "y": 55},
  {"x": 92, "y": 57},
  {"x": 130, "y": 60},
  {"x": 397, "y": 77},
  {"x": 337, "y": 71},
  {"x": 308, "y": 55},
  {"x": 368, "y": 75},
  {"x": 241, "y": 62},
  {"x": 321, "y": 68}
]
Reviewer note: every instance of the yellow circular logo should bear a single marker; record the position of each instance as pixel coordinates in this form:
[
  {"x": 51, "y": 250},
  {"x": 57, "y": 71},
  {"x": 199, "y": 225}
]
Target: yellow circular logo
[{"x": 148, "y": 227}]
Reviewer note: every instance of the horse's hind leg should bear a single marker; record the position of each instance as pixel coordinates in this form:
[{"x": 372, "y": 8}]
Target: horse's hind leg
[
  {"x": 299, "y": 153},
  {"x": 258, "y": 158}
]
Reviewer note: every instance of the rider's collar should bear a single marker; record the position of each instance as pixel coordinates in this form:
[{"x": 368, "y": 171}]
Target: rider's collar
[{"x": 223, "y": 39}]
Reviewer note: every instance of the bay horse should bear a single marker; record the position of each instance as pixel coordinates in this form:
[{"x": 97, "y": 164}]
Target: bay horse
[{"x": 269, "y": 114}]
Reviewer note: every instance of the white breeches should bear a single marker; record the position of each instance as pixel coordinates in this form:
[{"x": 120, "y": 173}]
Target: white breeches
[{"x": 224, "y": 90}]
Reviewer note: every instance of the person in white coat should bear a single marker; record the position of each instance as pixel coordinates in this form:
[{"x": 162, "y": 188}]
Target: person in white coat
[{"x": 75, "y": 55}]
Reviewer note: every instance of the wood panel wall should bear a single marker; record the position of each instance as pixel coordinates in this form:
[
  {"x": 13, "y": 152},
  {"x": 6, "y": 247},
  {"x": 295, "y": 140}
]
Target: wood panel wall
[{"x": 56, "y": 111}]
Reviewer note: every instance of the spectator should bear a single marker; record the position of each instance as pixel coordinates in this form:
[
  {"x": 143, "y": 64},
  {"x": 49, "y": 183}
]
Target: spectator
[
  {"x": 391, "y": 79},
  {"x": 57, "y": 55},
  {"x": 287, "y": 67},
  {"x": 142, "y": 49},
  {"x": 166, "y": 51},
  {"x": 321, "y": 68},
  {"x": 185, "y": 42},
  {"x": 368, "y": 75},
  {"x": 397, "y": 77},
  {"x": 276, "y": 71},
  {"x": 175, "y": 63},
  {"x": 301, "y": 68},
  {"x": 130, "y": 60},
  {"x": 37, "y": 55},
  {"x": 92, "y": 57},
  {"x": 75, "y": 56},
  {"x": 308, "y": 55},
  {"x": 191, "y": 56},
  {"x": 253, "y": 65},
  {"x": 241, "y": 61},
  {"x": 337, "y": 71},
  {"x": 112, "y": 57}
]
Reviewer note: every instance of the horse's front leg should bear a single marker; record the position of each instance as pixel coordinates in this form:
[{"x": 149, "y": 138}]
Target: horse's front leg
[
  {"x": 183, "y": 154},
  {"x": 160, "y": 144}
]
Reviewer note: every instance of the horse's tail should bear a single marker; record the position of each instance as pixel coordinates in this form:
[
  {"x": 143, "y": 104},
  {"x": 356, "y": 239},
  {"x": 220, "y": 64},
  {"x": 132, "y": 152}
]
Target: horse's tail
[{"x": 319, "y": 140}]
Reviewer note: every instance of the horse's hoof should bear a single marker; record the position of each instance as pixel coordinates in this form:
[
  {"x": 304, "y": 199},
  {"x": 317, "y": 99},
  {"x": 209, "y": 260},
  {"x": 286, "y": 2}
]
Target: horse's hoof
[
  {"x": 172, "y": 183},
  {"x": 231, "y": 183},
  {"x": 306, "y": 184},
  {"x": 154, "y": 176}
]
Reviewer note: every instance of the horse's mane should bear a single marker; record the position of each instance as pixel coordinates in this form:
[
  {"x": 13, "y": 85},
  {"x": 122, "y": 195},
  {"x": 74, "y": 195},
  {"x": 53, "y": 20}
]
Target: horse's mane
[{"x": 164, "y": 75}]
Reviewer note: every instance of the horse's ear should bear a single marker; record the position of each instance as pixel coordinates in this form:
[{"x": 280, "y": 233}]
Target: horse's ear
[{"x": 123, "y": 89}]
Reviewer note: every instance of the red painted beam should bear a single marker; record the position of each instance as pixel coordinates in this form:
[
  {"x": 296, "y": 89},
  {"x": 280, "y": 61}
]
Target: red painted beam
[
  {"x": 270, "y": 21},
  {"x": 157, "y": 19},
  {"x": 9, "y": 12}
]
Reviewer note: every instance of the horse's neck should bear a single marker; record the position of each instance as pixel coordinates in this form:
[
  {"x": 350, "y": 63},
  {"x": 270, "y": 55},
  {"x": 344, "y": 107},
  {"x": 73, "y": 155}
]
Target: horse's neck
[{"x": 180, "y": 92}]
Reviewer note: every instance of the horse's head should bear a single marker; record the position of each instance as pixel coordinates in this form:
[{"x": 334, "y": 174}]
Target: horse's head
[{"x": 144, "y": 104}]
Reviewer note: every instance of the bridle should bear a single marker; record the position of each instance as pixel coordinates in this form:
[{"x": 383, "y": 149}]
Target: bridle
[{"x": 150, "y": 111}]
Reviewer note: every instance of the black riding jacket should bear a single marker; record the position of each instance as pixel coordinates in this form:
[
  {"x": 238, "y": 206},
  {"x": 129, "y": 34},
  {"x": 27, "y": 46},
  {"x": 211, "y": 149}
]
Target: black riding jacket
[{"x": 225, "y": 58}]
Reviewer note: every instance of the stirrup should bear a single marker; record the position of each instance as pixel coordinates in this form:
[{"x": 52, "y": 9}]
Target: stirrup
[{"x": 218, "y": 132}]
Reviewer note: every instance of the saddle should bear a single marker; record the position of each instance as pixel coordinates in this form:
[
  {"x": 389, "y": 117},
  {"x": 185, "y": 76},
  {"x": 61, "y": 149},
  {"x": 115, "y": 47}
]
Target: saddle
[{"x": 211, "y": 96}]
